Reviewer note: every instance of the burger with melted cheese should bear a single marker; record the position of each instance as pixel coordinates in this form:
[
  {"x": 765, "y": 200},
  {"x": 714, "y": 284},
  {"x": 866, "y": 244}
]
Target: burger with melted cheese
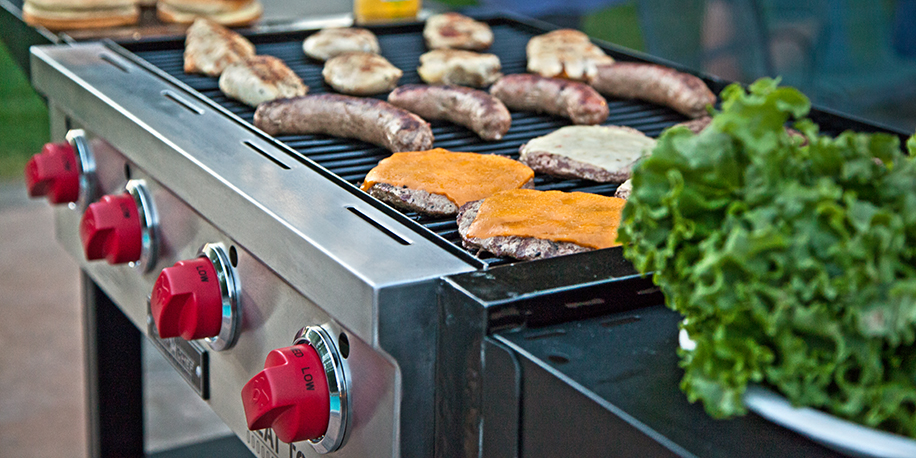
[
  {"x": 436, "y": 182},
  {"x": 527, "y": 224}
]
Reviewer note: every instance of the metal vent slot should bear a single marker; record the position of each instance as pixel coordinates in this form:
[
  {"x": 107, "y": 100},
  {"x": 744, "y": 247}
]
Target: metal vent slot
[
  {"x": 379, "y": 226},
  {"x": 265, "y": 154},
  {"x": 181, "y": 101},
  {"x": 544, "y": 335},
  {"x": 620, "y": 321},
  {"x": 114, "y": 63}
]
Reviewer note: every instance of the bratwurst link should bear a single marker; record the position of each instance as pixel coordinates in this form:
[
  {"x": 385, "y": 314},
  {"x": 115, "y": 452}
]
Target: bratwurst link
[
  {"x": 474, "y": 109},
  {"x": 576, "y": 101},
  {"x": 369, "y": 120},
  {"x": 683, "y": 92}
]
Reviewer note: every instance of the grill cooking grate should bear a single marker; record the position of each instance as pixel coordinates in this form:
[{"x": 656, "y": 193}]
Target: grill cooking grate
[{"x": 351, "y": 159}]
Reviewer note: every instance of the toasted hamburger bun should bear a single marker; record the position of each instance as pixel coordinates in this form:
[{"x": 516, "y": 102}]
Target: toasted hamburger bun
[
  {"x": 230, "y": 13},
  {"x": 85, "y": 14},
  {"x": 565, "y": 53}
]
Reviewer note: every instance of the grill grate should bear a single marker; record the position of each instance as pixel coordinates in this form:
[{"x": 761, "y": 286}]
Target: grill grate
[{"x": 351, "y": 159}]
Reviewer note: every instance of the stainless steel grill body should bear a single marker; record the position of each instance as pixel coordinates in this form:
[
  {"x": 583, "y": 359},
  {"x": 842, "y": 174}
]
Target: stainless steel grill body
[
  {"x": 308, "y": 253},
  {"x": 417, "y": 309}
]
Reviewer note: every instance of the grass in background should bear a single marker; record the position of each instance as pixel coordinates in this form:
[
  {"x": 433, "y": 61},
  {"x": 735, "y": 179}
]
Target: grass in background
[
  {"x": 616, "y": 24},
  {"x": 23, "y": 119}
]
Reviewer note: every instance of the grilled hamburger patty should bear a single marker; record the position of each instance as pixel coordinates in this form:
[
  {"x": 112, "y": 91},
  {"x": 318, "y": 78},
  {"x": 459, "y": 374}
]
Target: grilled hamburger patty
[
  {"x": 438, "y": 181},
  {"x": 418, "y": 200},
  {"x": 576, "y": 101},
  {"x": 369, "y": 120},
  {"x": 524, "y": 248},
  {"x": 599, "y": 153},
  {"x": 486, "y": 115}
]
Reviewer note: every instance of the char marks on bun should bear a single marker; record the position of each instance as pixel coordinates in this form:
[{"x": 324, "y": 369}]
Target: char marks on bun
[
  {"x": 456, "y": 31},
  {"x": 360, "y": 73},
  {"x": 330, "y": 42},
  {"x": 456, "y": 66},
  {"x": 565, "y": 53}
]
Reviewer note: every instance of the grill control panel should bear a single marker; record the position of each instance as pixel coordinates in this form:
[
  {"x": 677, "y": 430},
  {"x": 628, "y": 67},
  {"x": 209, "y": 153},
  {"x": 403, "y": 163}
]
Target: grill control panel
[
  {"x": 110, "y": 230},
  {"x": 198, "y": 299},
  {"x": 64, "y": 172},
  {"x": 54, "y": 173},
  {"x": 301, "y": 393},
  {"x": 122, "y": 228}
]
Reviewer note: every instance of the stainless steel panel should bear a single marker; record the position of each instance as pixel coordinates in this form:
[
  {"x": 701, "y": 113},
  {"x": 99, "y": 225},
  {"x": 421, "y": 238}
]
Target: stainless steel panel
[
  {"x": 326, "y": 264},
  {"x": 292, "y": 219},
  {"x": 273, "y": 313}
]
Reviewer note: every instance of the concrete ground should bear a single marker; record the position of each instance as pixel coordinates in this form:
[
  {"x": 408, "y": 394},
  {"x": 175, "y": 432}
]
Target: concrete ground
[{"x": 42, "y": 381}]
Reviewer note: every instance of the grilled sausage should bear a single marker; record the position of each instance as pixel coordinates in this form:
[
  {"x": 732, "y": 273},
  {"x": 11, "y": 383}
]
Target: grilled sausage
[
  {"x": 474, "y": 109},
  {"x": 576, "y": 101},
  {"x": 682, "y": 92},
  {"x": 369, "y": 120}
]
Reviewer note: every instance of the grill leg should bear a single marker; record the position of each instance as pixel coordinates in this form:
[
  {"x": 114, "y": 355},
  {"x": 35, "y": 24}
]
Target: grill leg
[{"x": 114, "y": 377}]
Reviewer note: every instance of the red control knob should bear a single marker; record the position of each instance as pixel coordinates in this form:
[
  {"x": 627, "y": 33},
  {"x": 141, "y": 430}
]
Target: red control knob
[
  {"x": 187, "y": 300},
  {"x": 54, "y": 173},
  {"x": 111, "y": 229},
  {"x": 290, "y": 395}
]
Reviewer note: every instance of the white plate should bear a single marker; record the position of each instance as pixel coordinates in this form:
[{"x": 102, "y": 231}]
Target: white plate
[{"x": 841, "y": 435}]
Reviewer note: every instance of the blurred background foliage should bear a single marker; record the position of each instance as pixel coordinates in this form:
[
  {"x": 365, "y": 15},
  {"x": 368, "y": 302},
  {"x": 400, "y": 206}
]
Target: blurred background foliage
[{"x": 23, "y": 119}]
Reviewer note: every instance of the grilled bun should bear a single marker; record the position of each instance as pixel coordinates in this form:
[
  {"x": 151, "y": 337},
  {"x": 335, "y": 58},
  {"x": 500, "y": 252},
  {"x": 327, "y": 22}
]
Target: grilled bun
[
  {"x": 230, "y": 13},
  {"x": 80, "y": 14}
]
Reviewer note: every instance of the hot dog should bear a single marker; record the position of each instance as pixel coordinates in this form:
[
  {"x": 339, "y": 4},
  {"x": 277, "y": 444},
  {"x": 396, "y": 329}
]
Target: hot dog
[
  {"x": 369, "y": 120},
  {"x": 683, "y": 92},
  {"x": 474, "y": 109},
  {"x": 576, "y": 101}
]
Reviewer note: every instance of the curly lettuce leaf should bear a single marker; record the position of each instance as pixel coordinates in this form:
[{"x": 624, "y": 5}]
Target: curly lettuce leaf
[{"x": 792, "y": 258}]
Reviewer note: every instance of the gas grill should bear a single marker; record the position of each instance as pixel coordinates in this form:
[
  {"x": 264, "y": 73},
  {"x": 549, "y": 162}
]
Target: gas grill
[{"x": 429, "y": 349}]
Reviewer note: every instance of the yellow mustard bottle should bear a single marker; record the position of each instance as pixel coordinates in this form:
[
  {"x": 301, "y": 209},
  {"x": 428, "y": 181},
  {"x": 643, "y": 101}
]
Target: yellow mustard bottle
[{"x": 376, "y": 11}]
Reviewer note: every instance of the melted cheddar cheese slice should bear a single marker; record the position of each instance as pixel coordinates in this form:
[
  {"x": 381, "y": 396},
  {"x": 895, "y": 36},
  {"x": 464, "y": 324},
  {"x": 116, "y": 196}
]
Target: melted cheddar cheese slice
[
  {"x": 461, "y": 177},
  {"x": 584, "y": 219}
]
